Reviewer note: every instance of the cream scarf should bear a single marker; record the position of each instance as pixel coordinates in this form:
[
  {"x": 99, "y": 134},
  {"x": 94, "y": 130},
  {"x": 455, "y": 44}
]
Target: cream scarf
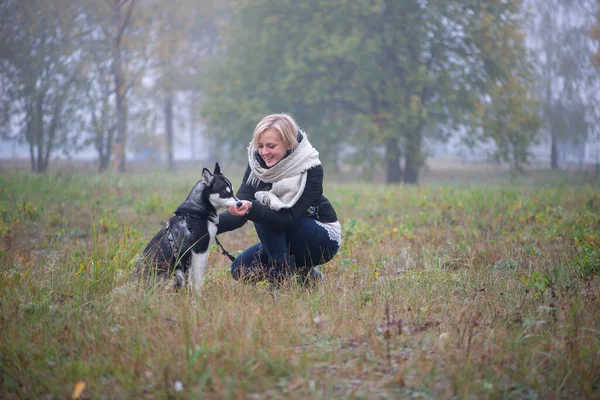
[{"x": 288, "y": 176}]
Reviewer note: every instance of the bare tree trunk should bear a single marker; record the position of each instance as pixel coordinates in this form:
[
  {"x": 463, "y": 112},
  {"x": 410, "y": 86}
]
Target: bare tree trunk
[
  {"x": 103, "y": 131},
  {"x": 104, "y": 162},
  {"x": 192, "y": 127},
  {"x": 30, "y": 137},
  {"x": 413, "y": 159},
  {"x": 54, "y": 125},
  {"x": 38, "y": 162},
  {"x": 392, "y": 154},
  {"x": 169, "y": 128},
  {"x": 121, "y": 107},
  {"x": 102, "y": 145},
  {"x": 32, "y": 157},
  {"x": 38, "y": 131},
  {"x": 553, "y": 152},
  {"x": 107, "y": 146}
]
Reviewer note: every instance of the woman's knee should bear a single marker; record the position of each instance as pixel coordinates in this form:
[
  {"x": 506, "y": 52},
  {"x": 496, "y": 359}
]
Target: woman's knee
[
  {"x": 254, "y": 272},
  {"x": 236, "y": 268}
]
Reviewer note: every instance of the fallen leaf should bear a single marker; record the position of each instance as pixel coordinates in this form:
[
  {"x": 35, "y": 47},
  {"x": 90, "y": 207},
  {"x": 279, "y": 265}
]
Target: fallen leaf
[
  {"x": 400, "y": 379},
  {"x": 78, "y": 389}
]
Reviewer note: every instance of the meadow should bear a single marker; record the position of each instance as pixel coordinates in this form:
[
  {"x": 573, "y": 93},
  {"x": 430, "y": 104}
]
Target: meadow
[{"x": 449, "y": 289}]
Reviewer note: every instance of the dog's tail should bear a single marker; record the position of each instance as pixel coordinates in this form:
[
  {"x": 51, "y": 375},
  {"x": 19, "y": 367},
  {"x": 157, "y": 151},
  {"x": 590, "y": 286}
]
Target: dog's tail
[
  {"x": 140, "y": 267},
  {"x": 145, "y": 271}
]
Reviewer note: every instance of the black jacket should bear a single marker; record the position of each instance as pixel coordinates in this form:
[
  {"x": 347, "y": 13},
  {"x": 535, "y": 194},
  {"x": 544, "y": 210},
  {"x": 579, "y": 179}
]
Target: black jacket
[{"x": 312, "y": 196}]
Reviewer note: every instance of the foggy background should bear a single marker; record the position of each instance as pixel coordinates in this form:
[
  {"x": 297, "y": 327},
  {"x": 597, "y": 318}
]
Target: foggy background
[{"x": 378, "y": 85}]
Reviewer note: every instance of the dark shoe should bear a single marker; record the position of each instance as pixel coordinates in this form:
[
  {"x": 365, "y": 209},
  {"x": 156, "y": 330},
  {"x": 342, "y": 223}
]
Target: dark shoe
[
  {"x": 281, "y": 270},
  {"x": 315, "y": 276},
  {"x": 275, "y": 276},
  {"x": 179, "y": 280},
  {"x": 311, "y": 278}
]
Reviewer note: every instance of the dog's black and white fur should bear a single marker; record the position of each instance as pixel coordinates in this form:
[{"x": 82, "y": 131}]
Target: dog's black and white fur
[{"x": 181, "y": 247}]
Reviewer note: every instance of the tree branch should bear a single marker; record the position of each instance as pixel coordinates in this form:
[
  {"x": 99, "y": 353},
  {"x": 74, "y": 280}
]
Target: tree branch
[{"x": 127, "y": 17}]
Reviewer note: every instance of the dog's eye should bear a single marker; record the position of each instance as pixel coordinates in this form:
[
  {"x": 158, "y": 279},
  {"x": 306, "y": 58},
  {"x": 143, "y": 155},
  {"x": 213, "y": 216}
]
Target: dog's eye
[{"x": 228, "y": 190}]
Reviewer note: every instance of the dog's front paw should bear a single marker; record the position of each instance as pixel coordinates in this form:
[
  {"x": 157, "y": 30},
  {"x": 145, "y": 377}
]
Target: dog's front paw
[
  {"x": 179, "y": 280},
  {"x": 275, "y": 276}
]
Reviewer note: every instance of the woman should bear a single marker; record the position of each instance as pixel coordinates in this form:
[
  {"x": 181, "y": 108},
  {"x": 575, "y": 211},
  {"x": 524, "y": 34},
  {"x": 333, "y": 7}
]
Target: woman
[{"x": 282, "y": 193}]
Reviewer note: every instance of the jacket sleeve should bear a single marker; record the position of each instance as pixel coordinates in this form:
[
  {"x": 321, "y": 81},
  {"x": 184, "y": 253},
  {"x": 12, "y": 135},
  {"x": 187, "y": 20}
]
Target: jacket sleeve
[
  {"x": 228, "y": 222},
  {"x": 286, "y": 216}
]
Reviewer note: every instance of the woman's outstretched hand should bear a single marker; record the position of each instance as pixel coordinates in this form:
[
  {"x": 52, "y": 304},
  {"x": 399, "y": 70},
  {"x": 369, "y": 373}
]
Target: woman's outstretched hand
[{"x": 242, "y": 210}]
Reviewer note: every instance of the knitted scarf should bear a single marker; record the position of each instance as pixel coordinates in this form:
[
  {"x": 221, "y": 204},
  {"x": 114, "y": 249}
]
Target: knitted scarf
[{"x": 288, "y": 176}]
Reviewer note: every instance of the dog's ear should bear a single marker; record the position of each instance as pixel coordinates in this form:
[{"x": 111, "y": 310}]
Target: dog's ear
[
  {"x": 207, "y": 177},
  {"x": 217, "y": 169}
]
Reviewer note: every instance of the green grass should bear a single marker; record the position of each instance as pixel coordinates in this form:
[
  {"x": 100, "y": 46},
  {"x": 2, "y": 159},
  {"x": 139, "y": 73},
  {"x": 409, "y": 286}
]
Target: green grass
[{"x": 438, "y": 291}]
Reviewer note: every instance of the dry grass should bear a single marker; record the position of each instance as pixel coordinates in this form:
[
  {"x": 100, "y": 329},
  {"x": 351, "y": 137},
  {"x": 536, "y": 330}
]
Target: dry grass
[{"x": 438, "y": 292}]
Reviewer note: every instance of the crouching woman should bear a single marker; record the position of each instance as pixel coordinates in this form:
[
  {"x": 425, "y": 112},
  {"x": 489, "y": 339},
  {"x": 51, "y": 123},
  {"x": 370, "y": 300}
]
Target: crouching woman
[{"x": 282, "y": 194}]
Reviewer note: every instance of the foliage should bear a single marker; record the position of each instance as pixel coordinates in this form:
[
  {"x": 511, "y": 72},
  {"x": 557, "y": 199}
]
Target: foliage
[
  {"x": 538, "y": 282},
  {"x": 39, "y": 65},
  {"x": 374, "y": 83},
  {"x": 97, "y": 88},
  {"x": 183, "y": 33},
  {"x": 588, "y": 249},
  {"x": 595, "y": 35},
  {"x": 555, "y": 37},
  {"x": 378, "y": 76}
]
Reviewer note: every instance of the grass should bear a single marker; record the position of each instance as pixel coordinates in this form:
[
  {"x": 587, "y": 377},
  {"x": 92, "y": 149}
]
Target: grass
[{"x": 438, "y": 291}]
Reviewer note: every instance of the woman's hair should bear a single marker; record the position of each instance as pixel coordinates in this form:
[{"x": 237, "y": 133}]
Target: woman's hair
[{"x": 282, "y": 123}]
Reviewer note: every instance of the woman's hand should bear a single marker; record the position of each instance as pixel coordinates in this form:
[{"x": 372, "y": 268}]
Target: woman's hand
[{"x": 241, "y": 210}]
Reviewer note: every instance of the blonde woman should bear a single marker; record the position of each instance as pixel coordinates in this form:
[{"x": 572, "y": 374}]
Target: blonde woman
[{"x": 282, "y": 194}]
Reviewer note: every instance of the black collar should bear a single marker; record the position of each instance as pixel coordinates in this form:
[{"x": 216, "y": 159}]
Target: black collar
[{"x": 189, "y": 215}]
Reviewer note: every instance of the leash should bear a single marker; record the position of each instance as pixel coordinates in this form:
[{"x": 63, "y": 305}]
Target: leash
[{"x": 224, "y": 252}]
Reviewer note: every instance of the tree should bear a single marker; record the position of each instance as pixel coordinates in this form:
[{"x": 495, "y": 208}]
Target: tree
[
  {"x": 113, "y": 62},
  {"x": 180, "y": 34},
  {"x": 595, "y": 35},
  {"x": 566, "y": 81},
  {"x": 97, "y": 88},
  {"x": 122, "y": 11},
  {"x": 506, "y": 109},
  {"x": 99, "y": 94},
  {"x": 168, "y": 44},
  {"x": 40, "y": 65},
  {"x": 181, "y": 30},
  {"x": 394, "y": 73}
]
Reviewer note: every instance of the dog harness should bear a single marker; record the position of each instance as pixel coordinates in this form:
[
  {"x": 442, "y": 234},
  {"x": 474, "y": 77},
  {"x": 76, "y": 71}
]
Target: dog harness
[
  {"x": 170, "y": 237},
  {"x": 186, "y": 216}
]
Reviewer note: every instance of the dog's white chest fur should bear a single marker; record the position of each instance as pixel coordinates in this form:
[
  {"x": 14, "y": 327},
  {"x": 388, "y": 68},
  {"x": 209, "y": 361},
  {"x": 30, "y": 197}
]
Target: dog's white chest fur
[{"x": 199, "y": 261}]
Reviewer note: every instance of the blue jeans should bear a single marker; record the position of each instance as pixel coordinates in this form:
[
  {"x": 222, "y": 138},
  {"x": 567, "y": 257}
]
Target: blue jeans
[{"x": 305, "y": 240}]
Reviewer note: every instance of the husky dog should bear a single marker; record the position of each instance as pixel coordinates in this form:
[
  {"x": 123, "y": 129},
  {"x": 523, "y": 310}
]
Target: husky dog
[{"x": 181, "y": 247}]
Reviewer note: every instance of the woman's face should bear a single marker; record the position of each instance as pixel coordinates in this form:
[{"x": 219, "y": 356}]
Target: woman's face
[{"x": 270, "y": 147}]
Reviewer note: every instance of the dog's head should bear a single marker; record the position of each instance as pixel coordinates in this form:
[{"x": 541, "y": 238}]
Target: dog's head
[{"x": 219, "y": 188}]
